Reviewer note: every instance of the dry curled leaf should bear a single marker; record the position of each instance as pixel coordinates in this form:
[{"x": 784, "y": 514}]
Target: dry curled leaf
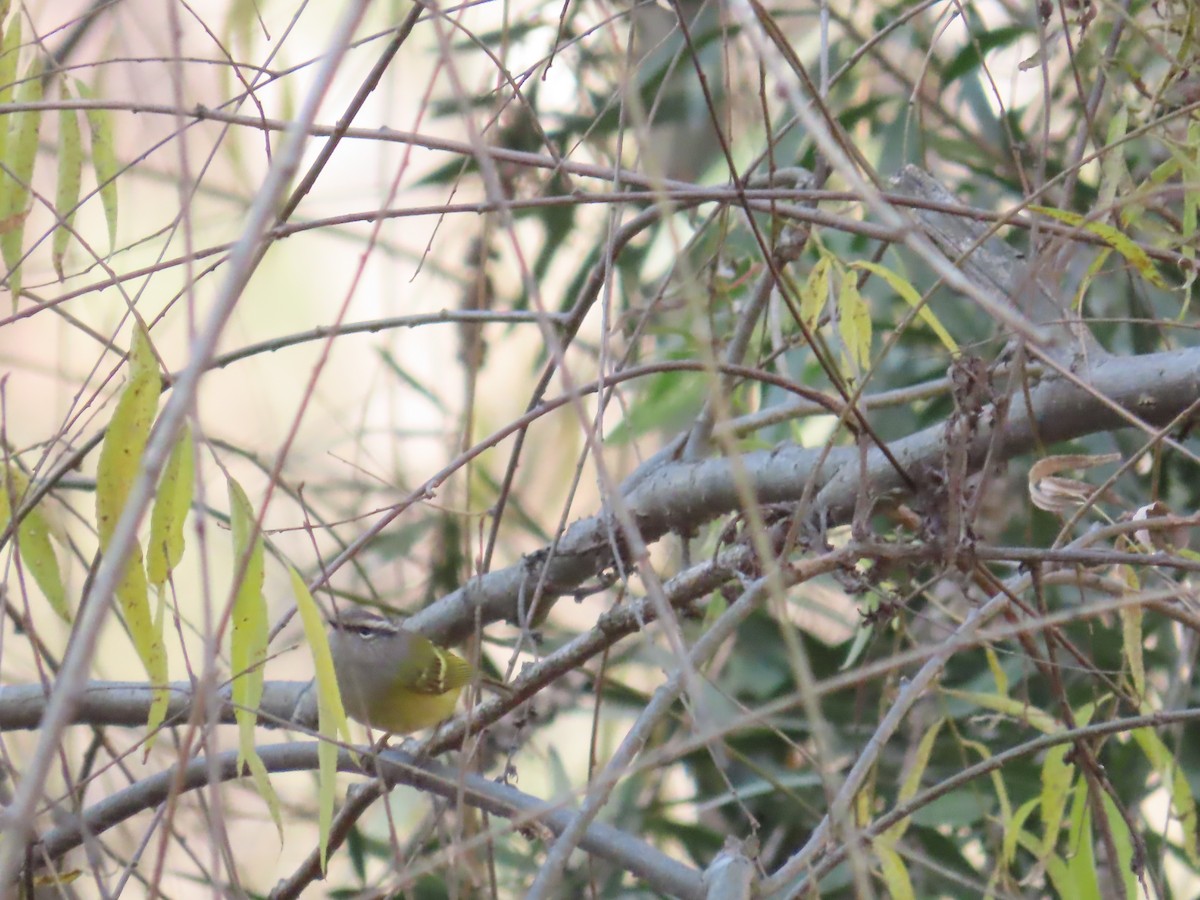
[{"x": 1056, "y": 494}]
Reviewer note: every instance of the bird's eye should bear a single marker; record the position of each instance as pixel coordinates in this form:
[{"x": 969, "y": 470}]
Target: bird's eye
[{"x": 366, "y": 632}]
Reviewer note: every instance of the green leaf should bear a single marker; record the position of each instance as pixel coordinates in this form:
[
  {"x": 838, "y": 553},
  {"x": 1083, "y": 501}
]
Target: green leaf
[
  {"x": 104, "y": 160},
  {"x": 248, "y": 641},
  {"x": 970, "y": 57},
  {"x": 120, "y": 459},
  {"x": 1015, "y": 833},
  {"x": 1081, "y": 859},
  {"x": 33, "y": 541},
  {"x": 1114, "y": 175},
  {"x": 145, "y": 630},
  {"x": 1123, "y": 840},
  {"x": 70, "y": 178},
  {"x": 1132, "y": 638},
  {"x": 10, "y": 56},
  {"x": 331, "y": 715},
  {"x": 1183, "y": 804},
  {"x": 121, "y": 453},
  {"x": 1057, "y": 776},
  {"x": 16, "y": 179},
  {"x": 171, "y": 506},
  {"x": 668, "y": 400}
]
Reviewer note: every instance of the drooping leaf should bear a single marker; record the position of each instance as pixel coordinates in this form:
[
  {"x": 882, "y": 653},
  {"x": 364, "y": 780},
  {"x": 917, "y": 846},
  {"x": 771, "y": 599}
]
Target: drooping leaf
[
  {"x": 16, "y": 178},
  {"x": 1175, "y": 779},
  {"x": 1018, "y": 709},
  {"x": 908, "y": 790},
  {"x": 171, "y": 505},
  {"x": 120, "y": 459},
  {"x": 998, "y": 673},
  {"x": 33, "y": 541},
  {"x": 1015, "y": 834},
  {"x": 248, "y": 635},
  {"x": 330, "y": 712},
  {"x": 1057, "y": 777},
  {"x": 920, "y": 760},
  {"x": 895, "y": 873},
  {"x": 1123, "y": 840},
  {"x": 10, "y": 54},
  {"x": 1132, "y": 637},
  {"x": 248, "y": 641},
  {"x": 1082, "y": 866},
  {"x": 146, "y": 631},
  {"x": 121, "y": 453},
  {"x": 70, "y": 178},
  {"x": 104, "y": 160},
  {"x": 816, "y": 292},
  {"x": 912, "y": 297},
  {"x": 1114, "y": 174},
  {"x": 854, "y": 325},
  {"x": 1134, "y": 255}
]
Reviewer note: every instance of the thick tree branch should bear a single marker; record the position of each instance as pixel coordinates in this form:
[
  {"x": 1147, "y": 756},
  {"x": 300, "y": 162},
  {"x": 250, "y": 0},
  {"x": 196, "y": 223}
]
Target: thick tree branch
[
  {"x": 679, "y": 496},
  {"x": 660, "y": 872}
]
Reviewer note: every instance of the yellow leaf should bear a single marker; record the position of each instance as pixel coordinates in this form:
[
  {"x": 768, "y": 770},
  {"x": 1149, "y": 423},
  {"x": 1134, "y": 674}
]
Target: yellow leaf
[
  {"x": 55, "y": 880},
  {"x": 262, "y": 783},
  {"x": 854, "y": 325},
  {"x": 895, "y": 874},
  {"x": 912, "y": 780},
  {"x": 171, "y": 506},
  {"x": 331, "y": 714},
  {"x": 104, "y": 160},
  {"x": 816, "y": 292},
  {"x": 910, "y": 296},
  {"x": 70, "y": 177},
  {"x": 1134, "y": 255},
  {"x": 998, "y": 673},
  {"x": 1095, "y": 267}
]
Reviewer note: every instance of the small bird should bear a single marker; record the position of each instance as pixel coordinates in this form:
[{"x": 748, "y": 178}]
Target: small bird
[{"x": 392, "y": 679}]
